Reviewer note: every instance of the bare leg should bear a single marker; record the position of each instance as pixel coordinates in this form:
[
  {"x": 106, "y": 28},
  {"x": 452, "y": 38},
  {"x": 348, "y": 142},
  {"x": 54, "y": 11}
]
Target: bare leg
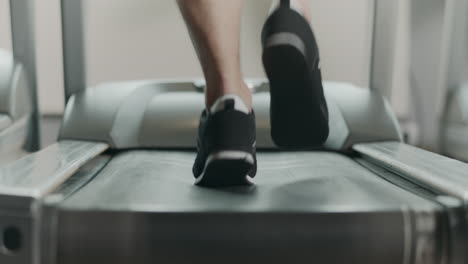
[
  {"x": 301, "y": 6},
  {"x": 214, "y": 26}
]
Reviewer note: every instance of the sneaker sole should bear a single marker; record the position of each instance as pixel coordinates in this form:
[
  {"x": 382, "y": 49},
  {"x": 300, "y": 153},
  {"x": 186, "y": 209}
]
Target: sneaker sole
[
  {"x": 297, "y": 118},
  {"x": 227, "y": 168}
]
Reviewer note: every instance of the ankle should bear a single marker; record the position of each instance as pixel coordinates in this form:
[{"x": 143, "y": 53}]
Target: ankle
[
  {"x": 302, "y": 7},
  {"x": 215, "y": 90}
]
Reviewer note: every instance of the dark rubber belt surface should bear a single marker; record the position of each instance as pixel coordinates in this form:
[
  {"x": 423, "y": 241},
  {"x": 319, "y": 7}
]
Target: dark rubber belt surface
[{"x": 297, "y": 181}]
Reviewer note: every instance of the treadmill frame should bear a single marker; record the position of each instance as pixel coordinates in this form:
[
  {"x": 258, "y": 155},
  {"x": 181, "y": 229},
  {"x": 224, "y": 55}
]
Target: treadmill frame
[
  {"x": 24, "y": 52},
  {"x": 453, "y": 126}
]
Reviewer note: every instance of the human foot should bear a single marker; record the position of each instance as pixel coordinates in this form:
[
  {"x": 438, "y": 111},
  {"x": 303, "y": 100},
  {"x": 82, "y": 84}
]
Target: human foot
[
  {"x": 298, "y": 110},
  {"x": 226, "y": 144}
]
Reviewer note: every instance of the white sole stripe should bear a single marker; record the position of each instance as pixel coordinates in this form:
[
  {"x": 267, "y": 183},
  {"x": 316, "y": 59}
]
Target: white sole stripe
[{"x": 226, "y": 155}]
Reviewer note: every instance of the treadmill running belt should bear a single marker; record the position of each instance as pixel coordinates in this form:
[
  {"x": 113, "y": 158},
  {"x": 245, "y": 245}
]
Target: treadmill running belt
[
  {"x": 144, "y": 208},
  {"x": 299, "y": 181}
]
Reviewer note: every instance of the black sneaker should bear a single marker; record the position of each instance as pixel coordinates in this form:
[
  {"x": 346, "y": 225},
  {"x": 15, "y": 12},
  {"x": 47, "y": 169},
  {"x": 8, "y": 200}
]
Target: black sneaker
[
  {"x": 298, "y": 110},
  {"x": 226, "y": 144}
]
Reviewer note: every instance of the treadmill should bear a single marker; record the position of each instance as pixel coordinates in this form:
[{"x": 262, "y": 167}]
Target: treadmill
[
  {"x": 439, "y": 75},
  {"x": 117, "y": 186},
  {"x": 454, "y": 123},
  {"x": 19, "y": 127}
]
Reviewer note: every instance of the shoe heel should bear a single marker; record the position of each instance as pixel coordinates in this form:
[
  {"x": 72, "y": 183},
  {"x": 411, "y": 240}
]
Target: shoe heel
[
  {"x": 227, "y": 168},
  {"x": 298, "y": 111},
  {"x": 285, "y": 3}
]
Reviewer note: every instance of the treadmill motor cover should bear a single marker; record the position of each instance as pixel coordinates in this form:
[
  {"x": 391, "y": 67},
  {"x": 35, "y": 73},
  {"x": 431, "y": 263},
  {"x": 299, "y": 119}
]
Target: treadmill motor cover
[{"x": 150, "y": 114}]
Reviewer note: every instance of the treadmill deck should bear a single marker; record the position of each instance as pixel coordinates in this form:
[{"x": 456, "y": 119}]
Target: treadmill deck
[
  {"x": 143, "y": 208},
  {"x": 162, "y": 181}
]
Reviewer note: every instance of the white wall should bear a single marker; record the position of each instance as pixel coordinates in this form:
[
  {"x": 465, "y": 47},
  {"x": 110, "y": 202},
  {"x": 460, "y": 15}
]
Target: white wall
[
  {"x": 401, "y": 94},
  {"x": 48, "y": 49},
  {"x": 147, "y": 39},
  {"x": 49, "y": 56},
  {"x": 5, "y": 34}
]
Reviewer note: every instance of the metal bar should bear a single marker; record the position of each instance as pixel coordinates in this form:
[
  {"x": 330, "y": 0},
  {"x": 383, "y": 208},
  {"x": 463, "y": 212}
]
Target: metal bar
[
  {"x": 23, "y": 40},
  {"x": 453, "y": 80},
  {"x": 430, "y": 23},
  {"x": 456, "y": 47},
  {"x": 73, "y": 47},
  {"x": 384, "y": 39}
]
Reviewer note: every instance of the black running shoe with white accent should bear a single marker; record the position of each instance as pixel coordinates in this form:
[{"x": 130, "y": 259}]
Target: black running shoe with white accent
[
  {"x": 226, "y": 144},
  {"x": 298, "y": 110}
]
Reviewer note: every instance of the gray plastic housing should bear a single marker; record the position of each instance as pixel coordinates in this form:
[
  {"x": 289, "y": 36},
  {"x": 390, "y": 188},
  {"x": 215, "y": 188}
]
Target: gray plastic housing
[
  {"x": 15, "y": 97},
  {"x": 153, "y": 114},
  {"x": 454, "y": 125},
  {"x": 16, "y": 108}
]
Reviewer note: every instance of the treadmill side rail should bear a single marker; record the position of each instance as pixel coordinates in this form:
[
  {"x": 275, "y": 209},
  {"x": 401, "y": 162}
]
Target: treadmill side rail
[
  {"x": 24, "y": 183},
  {"x": 38, "y": 174},
  {"x": 438, "y": 173},
  {"x": 446, "y": 178}
]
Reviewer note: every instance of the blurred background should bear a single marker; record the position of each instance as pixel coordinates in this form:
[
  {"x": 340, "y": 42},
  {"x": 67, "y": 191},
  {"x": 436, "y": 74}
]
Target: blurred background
[
  {"x": 141, "y": 39},
  {"x": 147, "y": 39}
]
